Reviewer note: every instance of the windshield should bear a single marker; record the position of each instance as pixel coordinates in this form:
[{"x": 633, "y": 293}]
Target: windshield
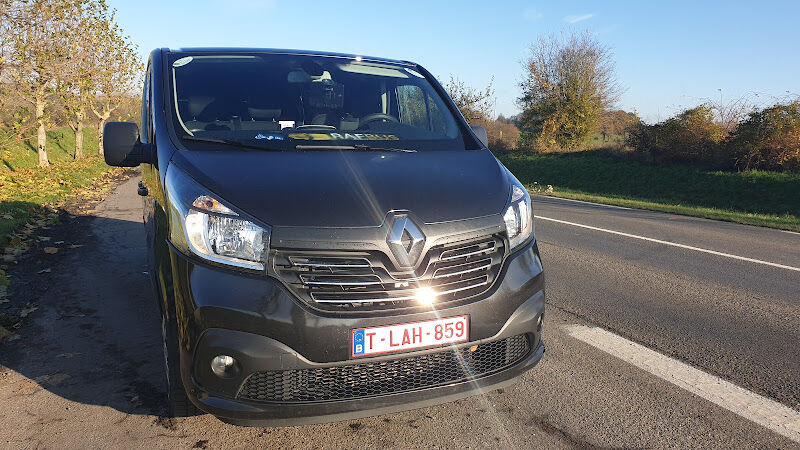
[{"x": 287, "y": 101}]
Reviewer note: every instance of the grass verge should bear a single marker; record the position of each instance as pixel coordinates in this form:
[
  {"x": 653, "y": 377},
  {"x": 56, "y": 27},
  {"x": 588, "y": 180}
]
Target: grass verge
[
  {"x": 19, "y": 155},
  {"x": 29, "y": 194},
  {"x": 760, "y": 198}
]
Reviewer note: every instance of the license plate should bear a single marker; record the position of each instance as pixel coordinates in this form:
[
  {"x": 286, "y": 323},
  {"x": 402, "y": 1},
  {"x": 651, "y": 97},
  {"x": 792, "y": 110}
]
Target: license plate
[{"x": 408, "y": 336}]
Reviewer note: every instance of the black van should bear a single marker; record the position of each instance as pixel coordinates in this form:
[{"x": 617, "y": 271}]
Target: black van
[{"x": 328, "y": 238}]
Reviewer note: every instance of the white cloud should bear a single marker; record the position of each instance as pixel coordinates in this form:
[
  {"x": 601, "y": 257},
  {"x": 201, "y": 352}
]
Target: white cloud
[
  {"x": 576, "y": 19},
  {"x": 532, "y": 15}
]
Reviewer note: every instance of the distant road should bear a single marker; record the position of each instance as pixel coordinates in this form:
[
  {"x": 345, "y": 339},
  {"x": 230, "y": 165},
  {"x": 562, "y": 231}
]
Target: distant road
[{"x": 648, "y": 345}]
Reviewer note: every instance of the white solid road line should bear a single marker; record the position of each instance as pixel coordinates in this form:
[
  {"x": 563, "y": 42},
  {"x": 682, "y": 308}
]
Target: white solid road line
[
  {"x": 582, "y": 201},
  {"x": 674, "y": 244},
  {"x": 763, "y": 411}
]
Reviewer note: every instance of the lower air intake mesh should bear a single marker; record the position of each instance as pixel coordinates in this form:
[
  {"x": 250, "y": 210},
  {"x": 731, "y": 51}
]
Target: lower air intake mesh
[{"x": 385, "y": 377}]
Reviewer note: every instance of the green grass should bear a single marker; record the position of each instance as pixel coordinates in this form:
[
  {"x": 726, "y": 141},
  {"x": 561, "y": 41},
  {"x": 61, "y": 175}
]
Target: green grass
[
  {"x": 596, "y": 141},
  {"x": 17, "y": 155},
  {"x": 768, "y": 199},
  {"x": 28, "y": 192}
]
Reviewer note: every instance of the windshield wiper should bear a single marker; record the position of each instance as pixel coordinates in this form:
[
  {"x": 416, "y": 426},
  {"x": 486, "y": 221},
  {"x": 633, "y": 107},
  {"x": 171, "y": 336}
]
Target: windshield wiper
[
  {"x": 230, "y": 142},
  {"x": 359, "y": 147}
]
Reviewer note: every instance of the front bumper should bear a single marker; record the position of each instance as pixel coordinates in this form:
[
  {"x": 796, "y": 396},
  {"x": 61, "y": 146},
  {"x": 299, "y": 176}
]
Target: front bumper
[{"x": 257, "y": 321}]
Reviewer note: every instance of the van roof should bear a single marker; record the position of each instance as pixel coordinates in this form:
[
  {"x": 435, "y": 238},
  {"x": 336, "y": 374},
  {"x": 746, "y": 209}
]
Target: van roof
[{"x": 287, "y": 52}]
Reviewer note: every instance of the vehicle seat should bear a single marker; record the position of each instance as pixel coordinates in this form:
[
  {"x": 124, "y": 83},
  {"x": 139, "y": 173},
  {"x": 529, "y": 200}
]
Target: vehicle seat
[
  {"x": 195, "y": 107},
  {"x": 262, "y": 119},
  {"x": 346, "y": 123}
]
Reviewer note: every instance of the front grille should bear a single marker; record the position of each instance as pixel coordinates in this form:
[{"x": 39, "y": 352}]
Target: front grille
[
  {"x": 359, "y": 280},
  {"x": 385, "y": 377}
]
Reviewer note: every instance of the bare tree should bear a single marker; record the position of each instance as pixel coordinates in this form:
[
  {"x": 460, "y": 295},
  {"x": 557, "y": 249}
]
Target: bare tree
[
  {"x": 76, "y": 82},
  {"x": 116, "y": 68},
  {"x": 5, "y": 50},
  {"x": 39, "y": 53},
  {"x": 569, "y": 81},
  {"x": 732, "y": 111},
  {"x": 5, "y": 33},
  {"x": 474, "y": 104}
]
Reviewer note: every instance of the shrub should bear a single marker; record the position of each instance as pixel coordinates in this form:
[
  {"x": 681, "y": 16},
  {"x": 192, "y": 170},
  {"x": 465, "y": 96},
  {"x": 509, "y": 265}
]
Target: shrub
[
  {"x": 693, "y": 136},
  {"x": 568, "y": 82},
  {"x": 768, "y": 139},
  {"x": 502, "y": 136}
]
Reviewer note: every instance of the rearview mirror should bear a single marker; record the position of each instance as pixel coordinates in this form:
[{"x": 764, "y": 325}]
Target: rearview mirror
[
  {"x": 122, "y": 147},
  {"x": 480, "y": 132}
]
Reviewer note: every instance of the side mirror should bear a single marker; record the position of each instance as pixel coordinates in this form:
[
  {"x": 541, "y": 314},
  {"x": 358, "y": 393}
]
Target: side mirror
[
  {"x": 480, "y": 132},
  {"x": 122, "y": 147}
]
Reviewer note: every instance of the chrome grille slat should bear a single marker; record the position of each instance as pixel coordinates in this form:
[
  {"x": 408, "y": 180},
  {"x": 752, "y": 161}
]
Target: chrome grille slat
[
  {"x": 410, "y": 289},
  {"x": 340, "y": 278},
  {"x": 367, "y": 279},
  {"x": 336, "y": 266},
  {"x": 436, "y": 274},
  {"x": 342, "y": 283},
  {"x": 483, "y": 281},
  {"x": 446, "y": 257}
]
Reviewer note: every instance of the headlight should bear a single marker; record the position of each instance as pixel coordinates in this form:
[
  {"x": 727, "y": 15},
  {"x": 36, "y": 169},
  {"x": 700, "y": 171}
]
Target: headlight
[
  {"x": 201, "y": 224},
  {"x": 518, "y": 216}
]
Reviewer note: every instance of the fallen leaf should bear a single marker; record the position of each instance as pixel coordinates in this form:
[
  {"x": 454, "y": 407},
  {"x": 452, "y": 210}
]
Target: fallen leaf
[
  {"x": 4, "y": 334},
  {"x": 44, "y": 238},
  {"x": 53, "y": 379},
  {"x": 44, "y": 271},
  {"x": 75, "y": 246},
  {"x": 135, "y": 402},
  {"x": 50, "y": 250},
  {"x": 28, "y": 309},
  {"x": 58, "y": 242}
]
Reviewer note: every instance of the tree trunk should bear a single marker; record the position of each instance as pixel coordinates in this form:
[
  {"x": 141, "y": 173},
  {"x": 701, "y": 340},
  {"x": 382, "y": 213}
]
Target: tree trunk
[
  {"x": 103, "y": 118},
  {"x": 79, "y": 135},
  {"x": 41, "y": 133}
]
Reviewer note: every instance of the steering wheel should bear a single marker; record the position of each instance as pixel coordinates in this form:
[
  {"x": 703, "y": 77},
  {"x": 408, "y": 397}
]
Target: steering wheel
[{"x": 376, "y": 117}]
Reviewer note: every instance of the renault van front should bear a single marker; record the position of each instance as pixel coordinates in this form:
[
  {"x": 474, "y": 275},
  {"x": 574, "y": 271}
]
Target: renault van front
[{"x": 327, "y": 236}]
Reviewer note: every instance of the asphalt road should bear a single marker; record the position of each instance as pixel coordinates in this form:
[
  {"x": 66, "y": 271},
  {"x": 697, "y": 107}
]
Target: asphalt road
[{"x": 87, "y": 371}]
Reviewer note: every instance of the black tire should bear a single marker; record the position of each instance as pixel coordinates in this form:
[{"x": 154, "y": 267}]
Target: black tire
[{"x": 178, "y": 403}]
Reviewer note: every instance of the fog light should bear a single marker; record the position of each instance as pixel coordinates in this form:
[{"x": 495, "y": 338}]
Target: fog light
[
  {"x": 426, "y": 296},
  {"x": 223, "y": 365}
]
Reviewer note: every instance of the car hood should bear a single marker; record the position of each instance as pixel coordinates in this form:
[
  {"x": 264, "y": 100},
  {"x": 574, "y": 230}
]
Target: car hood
[{"x": 351, "y": 189}]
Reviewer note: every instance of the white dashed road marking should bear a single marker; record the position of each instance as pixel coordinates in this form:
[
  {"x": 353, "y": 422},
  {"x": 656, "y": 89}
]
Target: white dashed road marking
[
  {"x": 761, "y": 410},
  {"x": 673, "y": 244}
]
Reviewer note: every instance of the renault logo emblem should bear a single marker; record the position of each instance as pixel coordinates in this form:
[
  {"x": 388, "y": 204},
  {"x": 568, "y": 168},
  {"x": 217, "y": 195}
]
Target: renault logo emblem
[{"x": 406, "y": 241}]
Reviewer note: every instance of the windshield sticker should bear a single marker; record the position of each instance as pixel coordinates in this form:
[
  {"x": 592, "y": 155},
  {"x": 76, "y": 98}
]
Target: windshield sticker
[
  {"x": 183, "y": 61},
  {"x": 269, "y": 136},
  {"x": 343, "y": 137}
]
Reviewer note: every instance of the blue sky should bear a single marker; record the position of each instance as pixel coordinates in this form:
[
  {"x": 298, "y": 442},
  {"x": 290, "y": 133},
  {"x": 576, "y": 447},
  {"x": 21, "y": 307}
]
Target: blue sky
[{"x": 668, "y": 54}]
